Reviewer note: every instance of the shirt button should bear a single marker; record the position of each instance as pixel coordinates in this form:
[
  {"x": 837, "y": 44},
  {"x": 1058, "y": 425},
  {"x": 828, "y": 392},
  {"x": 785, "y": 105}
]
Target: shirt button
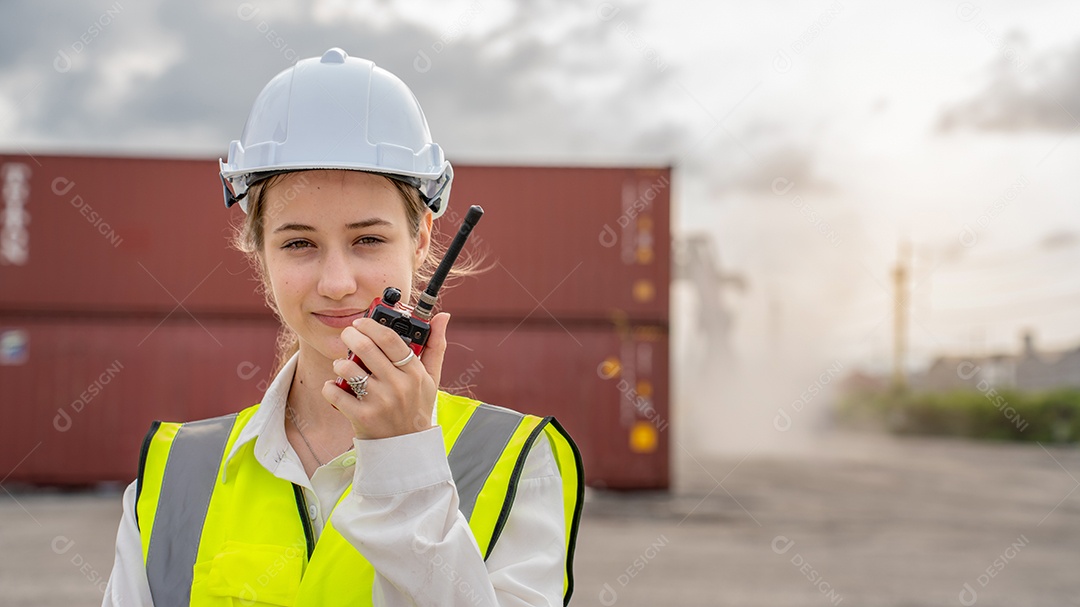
[
  {"x": 348, "y": 461},
  {"x": 313, "y": 512}
]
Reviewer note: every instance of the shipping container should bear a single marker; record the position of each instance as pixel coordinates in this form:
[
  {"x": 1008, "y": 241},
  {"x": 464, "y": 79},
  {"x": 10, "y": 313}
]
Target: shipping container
[
  {"x": 106, "y": 234},
  {"x": 102, "y": 235},
  {"x": 607, "y": 385},
  {"x": 567, "y": 243},
  {"x": 82, "y": 392},
  {"x": 115, "y": 310},
  {"x": 86, "y": 392}
]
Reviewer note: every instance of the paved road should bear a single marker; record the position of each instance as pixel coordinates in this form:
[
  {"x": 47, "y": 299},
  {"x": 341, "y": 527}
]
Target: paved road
[{"x": 872, "y": 522}]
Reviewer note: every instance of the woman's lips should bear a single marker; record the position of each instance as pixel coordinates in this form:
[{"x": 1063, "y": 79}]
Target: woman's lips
[{"x": 337, "y": 320}]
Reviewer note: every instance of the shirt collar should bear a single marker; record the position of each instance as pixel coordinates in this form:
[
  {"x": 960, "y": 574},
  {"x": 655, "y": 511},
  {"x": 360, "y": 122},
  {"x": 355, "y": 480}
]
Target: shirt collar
[
  {"x": 270, "y": 417},
  {"x": 269, "y": 421}
]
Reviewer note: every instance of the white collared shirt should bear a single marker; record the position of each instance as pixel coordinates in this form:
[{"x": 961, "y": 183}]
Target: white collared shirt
[{"x": 403, "y": 495}]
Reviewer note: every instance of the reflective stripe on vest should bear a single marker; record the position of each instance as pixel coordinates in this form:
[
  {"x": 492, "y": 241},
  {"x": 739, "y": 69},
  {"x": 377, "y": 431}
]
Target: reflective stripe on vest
[
  {"x": 477, "y": 450},
  {"x": 487, "y": 447},
  {"x": 186, "y": 486}
]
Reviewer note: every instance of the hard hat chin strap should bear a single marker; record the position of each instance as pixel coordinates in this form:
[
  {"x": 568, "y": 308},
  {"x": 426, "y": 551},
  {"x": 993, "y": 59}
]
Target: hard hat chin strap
[
  {"x": 431, "y": 201},
  {"x": 230, "y": 198}
]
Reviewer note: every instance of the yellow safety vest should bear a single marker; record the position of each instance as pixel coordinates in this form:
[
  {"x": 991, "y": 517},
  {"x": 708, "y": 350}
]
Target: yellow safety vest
[{"x": 247, "y": 539}]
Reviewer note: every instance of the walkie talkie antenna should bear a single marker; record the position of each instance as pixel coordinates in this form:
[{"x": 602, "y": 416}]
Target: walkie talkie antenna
[{"x": 426, "y": 305}]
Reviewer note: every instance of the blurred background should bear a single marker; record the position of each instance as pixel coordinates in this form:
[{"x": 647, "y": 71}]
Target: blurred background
[{"x": 809, "y": 288}]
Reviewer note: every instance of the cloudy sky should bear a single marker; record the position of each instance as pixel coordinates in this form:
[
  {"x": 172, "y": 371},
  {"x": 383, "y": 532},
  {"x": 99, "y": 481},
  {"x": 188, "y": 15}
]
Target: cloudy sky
[{"x": 809, "y": 138}]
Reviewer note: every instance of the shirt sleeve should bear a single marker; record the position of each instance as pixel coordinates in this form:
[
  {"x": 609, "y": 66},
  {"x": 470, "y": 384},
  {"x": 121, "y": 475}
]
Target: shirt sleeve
[
  {"x": 127, "y": 584},
  {"x": 403, "y": 516}
]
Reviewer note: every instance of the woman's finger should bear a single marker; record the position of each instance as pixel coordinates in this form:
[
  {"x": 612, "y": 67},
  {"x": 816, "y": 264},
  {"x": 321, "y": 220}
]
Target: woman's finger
[
  {"x": 389, "y": 343},
  {"x": 364, "y": 347},
  {"x": 347, "y": 369}
]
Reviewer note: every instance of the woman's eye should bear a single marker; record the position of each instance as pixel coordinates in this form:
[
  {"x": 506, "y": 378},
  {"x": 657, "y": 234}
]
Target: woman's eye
[{"x": 304, "y": 244}]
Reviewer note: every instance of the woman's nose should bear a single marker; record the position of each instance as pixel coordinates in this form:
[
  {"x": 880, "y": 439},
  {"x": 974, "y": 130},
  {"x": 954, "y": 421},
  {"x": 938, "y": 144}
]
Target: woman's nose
[{"x": 337, "y": 279}]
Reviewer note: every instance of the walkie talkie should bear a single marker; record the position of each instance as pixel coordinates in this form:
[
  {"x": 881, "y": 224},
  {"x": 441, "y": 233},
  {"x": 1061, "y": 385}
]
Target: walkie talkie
[{"x": 412, "y": 323}]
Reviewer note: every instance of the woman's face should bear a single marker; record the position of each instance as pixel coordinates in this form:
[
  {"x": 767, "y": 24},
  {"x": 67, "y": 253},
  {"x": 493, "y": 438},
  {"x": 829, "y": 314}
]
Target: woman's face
[{"x": 333, "y": 240}]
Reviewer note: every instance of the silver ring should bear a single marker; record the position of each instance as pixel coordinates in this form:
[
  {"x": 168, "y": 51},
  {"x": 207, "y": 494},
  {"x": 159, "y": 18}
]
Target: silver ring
[
  {"x": 358, "y": 385},
  {"x": 405, "y": 361}
]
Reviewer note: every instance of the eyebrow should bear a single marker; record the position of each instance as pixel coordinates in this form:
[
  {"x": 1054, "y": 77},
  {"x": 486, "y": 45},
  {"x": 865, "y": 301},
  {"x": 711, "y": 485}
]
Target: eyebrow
[{"x": 366, "y": 223}]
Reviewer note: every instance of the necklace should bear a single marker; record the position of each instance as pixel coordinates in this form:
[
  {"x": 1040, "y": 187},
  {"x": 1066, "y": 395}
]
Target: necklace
[{"x": 304, "y": 438}]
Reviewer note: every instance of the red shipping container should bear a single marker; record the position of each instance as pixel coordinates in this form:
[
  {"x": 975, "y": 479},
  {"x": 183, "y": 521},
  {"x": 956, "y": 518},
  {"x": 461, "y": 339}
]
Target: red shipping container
[
  {"x": 122, "y": 234},
  {"x": 77, "y": 407},
  {"x": 567, "y": 243},
  {"x": 608, "y": 386},
  {"x": 114, "y": 313},
  {"x": 129, "y": 234}
]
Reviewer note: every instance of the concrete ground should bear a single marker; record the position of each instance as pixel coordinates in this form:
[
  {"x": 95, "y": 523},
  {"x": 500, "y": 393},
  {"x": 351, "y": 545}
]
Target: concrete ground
[{"x": 874, "y": 521}]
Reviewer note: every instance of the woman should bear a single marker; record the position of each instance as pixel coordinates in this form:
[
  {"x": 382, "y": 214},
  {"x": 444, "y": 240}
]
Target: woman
[{"x": 400, "y": 495}]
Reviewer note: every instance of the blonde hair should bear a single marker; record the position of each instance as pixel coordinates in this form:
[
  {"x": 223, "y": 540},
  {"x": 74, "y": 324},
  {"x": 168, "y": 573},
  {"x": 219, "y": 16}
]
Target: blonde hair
[{"x": 249, "y": 238}]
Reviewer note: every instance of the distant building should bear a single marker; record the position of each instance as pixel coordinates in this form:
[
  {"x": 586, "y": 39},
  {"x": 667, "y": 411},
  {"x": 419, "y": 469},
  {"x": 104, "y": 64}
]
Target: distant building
[{"x": 1030, "y": 370}]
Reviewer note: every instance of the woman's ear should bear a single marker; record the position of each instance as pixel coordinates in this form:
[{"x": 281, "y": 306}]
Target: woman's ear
[{"x": 423, "y": 240}]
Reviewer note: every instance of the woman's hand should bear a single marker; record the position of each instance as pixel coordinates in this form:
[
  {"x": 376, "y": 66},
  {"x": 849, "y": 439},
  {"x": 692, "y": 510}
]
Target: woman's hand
[{"x": 399, "y": 400}]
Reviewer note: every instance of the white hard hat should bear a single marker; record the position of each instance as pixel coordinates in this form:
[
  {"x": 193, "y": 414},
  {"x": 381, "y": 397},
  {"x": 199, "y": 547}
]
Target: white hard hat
[{"x": 337, "y": 112}]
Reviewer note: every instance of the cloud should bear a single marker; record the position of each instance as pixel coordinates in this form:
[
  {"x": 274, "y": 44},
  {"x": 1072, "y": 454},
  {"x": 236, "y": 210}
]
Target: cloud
[
  {"x": 1043, "y": 95},
  {"x": 543, "y": 80},
  {"x": 1059, "y": 239},
  {"x": 779, "y": 165},
  {"x": 792, "y": 165}
]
